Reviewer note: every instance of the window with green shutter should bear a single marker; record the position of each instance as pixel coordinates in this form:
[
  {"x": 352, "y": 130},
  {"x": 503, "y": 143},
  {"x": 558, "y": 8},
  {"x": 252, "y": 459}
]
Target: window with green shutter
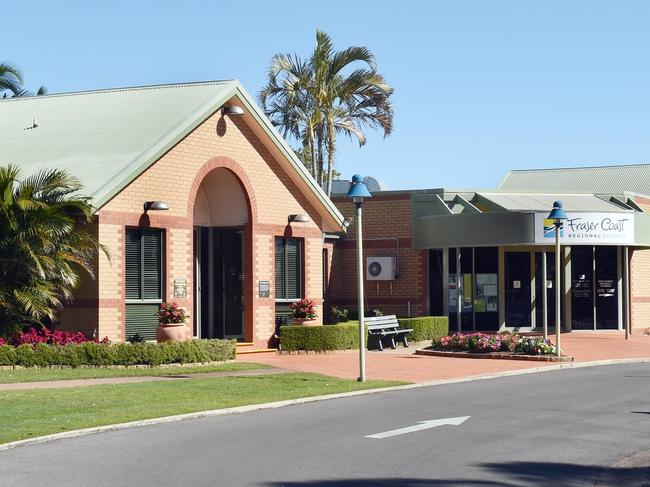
[
  {"x": 288, "y": 268},
  {"x": 143, "y": 254}
]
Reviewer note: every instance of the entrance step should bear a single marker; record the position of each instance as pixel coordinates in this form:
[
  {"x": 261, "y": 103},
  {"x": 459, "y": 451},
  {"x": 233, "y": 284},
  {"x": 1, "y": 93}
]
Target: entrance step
[
  {"x": 247, "y": 351},
  {"x": 245, "y": 348}
]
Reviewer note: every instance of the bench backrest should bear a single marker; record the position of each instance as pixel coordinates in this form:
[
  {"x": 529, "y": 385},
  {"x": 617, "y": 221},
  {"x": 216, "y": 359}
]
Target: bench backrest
[{"x": 381, "y": 322}]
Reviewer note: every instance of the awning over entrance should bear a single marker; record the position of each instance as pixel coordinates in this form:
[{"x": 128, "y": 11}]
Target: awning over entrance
[{"x": 470, "y": 219}]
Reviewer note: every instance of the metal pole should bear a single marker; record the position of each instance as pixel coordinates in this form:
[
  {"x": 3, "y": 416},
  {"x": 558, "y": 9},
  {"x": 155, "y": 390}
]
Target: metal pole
[
  {"x": 626, "y": 287},
  {"x": 557, "y": 290},
  {"x": 459, "y": 292},
  {"x": 360, "y": 296},
  {"x": 544, "y": 295}
]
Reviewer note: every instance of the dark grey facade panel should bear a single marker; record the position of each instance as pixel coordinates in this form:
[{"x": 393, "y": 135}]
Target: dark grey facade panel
[{"x": 474, "y": 230}]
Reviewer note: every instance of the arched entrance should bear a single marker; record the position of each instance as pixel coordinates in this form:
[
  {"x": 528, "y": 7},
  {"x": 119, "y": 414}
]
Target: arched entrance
[{"x": 221, "y": 217}]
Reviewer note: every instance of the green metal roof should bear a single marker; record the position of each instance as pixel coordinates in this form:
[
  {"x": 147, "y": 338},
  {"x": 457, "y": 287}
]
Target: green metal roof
[
  {"x": 107, "y": 138},
  {"x": 634, "y": 178},
  {"x": 544, "y": 202}
]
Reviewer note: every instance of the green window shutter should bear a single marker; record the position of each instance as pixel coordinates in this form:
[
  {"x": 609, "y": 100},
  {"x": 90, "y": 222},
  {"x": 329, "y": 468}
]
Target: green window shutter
[
  {"x": 293, "y": 268},
  {"x": 132, "y": 263},
  {"x": 151, "y": 264},
  {"x": 141, "y": 319},
  {"x": 280, "y": 288}
]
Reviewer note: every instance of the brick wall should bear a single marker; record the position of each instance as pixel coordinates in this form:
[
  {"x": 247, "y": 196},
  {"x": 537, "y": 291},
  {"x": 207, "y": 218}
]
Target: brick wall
[
  {"x": 220, "y": 142},
  {"x": 386, "y": 233},
  {"x": 640, "y": 280}
]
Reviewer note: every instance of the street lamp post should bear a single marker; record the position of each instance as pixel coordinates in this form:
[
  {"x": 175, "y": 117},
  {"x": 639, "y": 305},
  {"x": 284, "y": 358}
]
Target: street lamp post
[
  {"x": 358, "y": 192},
  {"x": 558, "y": 215}
]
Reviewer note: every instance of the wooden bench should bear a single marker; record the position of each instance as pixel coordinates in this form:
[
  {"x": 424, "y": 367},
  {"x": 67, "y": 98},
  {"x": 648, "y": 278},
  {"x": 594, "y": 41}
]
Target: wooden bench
[{"x": 385, "y": 327}]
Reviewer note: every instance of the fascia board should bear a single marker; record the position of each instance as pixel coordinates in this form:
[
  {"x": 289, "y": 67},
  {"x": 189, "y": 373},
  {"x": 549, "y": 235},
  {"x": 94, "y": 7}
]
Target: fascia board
[{"x": 331, "y": 210}]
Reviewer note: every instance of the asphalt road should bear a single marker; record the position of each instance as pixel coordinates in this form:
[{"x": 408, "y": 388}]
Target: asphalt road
[{"x": 562, "y": 428}]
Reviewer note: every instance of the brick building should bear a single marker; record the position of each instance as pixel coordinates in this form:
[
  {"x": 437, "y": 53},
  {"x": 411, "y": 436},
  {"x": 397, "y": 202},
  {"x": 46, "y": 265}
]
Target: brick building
[
  {"x": 483, "y": 258},
  {"x": 199, "y": 201}
]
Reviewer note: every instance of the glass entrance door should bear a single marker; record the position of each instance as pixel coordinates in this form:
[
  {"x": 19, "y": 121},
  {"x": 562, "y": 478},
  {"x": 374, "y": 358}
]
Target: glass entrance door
[
  {"x": 606, "y": 288},
  {"x": 582, "y": 299},
  {"x": 517, "y": 289},
  {"x": 219, "y": 274}
]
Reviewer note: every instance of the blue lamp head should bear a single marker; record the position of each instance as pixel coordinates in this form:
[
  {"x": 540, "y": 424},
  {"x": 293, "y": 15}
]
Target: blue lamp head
[
  {"x": 557, "y": 213},
  {"x": 358, "y": 189}
]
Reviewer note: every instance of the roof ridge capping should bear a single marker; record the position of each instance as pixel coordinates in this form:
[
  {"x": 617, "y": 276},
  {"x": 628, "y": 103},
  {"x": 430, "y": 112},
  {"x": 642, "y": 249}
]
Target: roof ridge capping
[
  {"x": 122, "y": 89},
  {"x": 581, "y": 168}
]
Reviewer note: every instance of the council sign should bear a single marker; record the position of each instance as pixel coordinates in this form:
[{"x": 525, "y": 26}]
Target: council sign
[{"x": 587, "y": 229}]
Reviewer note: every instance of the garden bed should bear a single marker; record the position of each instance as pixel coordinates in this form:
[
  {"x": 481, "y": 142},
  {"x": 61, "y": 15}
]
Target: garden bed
[
  {"x": 501, "y": 345},
  {"x": 495, "y": 355}
]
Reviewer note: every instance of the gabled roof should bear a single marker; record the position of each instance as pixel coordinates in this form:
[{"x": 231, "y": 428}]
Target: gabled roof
[
  {"x": 633, "y": 178},
  {"x": 107, "y": 138}
]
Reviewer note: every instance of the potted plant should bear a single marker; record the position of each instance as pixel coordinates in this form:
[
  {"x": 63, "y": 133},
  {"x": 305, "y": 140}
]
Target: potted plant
[
  {"x": 304, "y": 311},
  {"x": 171, "y": 323}
]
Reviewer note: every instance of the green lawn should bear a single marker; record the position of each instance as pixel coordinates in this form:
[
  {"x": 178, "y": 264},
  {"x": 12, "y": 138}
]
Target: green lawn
[
  {"x": 26, "y": 414},
  {"x": 37, "y": 375}
]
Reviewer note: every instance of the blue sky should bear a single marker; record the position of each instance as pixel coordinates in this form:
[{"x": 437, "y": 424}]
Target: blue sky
[{"x": 480, "y": 86}]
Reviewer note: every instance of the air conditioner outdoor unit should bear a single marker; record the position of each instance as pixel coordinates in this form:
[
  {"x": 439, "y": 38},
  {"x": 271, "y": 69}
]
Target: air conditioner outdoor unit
[{"x": 380, "y": 268}]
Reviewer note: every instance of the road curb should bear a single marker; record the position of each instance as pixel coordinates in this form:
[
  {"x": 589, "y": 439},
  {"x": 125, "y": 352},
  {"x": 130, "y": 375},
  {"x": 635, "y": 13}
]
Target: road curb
[{"x": 305, "y": 400}]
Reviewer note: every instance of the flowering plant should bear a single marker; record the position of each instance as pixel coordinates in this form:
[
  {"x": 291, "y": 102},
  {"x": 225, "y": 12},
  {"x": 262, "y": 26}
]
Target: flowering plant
[
  {"x": 2, "y": 341},
  {"x": 498, "y": 342},
  {"x": 535, "y": 346},
  {"x": 171, "y": 314},
  {"x": 304, "y": 309},
  {"x": 57, "y": 337}
]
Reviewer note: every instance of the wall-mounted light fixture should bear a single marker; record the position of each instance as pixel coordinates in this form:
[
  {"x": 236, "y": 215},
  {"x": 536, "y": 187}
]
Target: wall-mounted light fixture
[
  {"x": 300, "y": 218},
  {"x": 155, "y": 206},
  {"x": 232, "y": 110}
]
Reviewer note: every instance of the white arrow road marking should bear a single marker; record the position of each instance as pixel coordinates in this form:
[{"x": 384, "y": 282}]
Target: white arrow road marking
[{"x": 422, "y": 425}]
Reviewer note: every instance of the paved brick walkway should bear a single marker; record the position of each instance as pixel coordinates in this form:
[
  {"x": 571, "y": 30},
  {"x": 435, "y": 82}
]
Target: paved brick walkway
[
  {"x": 403, "y": 365},
  {"x": 400, "y": 364}
]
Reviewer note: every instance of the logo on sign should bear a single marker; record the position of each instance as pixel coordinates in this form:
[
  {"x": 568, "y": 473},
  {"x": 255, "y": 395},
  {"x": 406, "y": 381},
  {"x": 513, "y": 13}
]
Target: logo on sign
[
  {"x": 549, "y": 228},
  {"x": 588, "y": 228}
]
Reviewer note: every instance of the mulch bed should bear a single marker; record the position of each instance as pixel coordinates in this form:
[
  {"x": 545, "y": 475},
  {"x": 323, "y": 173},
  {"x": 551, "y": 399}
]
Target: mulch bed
[{"x": 496, "y": 355}]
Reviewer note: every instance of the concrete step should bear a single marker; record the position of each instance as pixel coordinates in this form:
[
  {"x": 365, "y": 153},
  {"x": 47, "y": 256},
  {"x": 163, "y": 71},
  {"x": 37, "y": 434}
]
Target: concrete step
[{"x": 248, "y": 350}]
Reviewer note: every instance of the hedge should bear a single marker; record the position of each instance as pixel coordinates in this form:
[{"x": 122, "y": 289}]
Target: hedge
[
  {"x": 425, "y": 327},
  {"x": 96, "y": 354},
  {"x": 319, "y": 338}
]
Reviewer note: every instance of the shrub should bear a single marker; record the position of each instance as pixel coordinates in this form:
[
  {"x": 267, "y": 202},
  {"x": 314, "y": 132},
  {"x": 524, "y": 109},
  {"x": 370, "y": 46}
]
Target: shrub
[
  {"x": 339, "y": 315},
  {"x": 425, "y": 327},
  {"x": 43, "y": 335},
  {"x": 97, "y": 354},
  {"x": 319, "y": 338},
  {"x": 7, "y": 355}
]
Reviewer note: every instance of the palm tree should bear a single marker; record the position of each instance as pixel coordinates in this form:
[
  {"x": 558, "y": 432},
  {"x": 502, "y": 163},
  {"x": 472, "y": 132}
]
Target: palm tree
[
  {"x": 10, "y": 79},
  {"x": 290, "y": 106},
  {"x": 334, "y": 92},
  {"x": 43, "y": 249}
]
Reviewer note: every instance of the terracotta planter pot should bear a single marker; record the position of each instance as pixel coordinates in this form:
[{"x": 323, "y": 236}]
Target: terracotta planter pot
[
  {"x": 173, "y": 332},
  {"x": 305, "y": 321}
]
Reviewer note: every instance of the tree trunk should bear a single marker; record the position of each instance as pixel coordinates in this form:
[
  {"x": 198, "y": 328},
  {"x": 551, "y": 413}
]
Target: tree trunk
[
  {"x": 319, "y": 136},
  {"x": 312, "y": 149},
  {"x": 330, "y": 155}
]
